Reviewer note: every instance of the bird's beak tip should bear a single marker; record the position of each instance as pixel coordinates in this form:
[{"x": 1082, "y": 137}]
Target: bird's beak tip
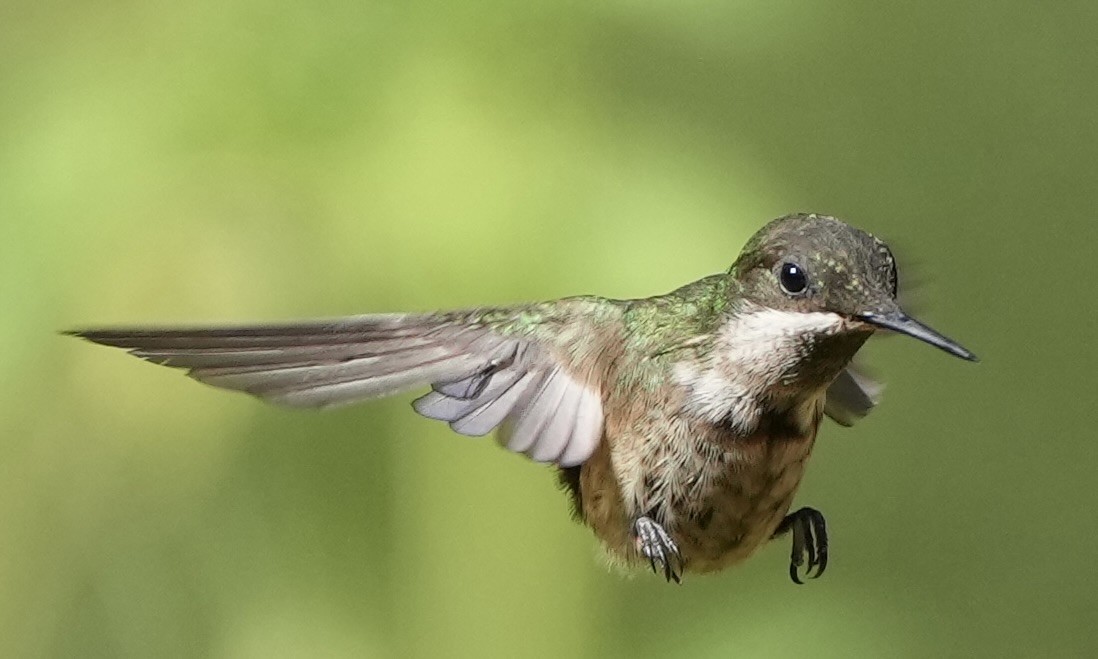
[{"x": 898, "y": 321}]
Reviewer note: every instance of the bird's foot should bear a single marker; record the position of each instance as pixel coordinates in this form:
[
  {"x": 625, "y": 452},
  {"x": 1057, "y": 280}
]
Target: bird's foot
[
  {"x": 659, "y": 548},
  {"x": 809, "y": 537}
]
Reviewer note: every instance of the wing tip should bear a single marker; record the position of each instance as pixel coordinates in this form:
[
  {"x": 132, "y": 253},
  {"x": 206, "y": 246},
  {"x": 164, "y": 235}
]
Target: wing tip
[
  {"x": 77, "y": 333},
  {"x": 112, "y": 338}
]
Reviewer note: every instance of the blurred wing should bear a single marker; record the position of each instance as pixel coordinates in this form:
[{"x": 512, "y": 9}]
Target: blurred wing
[
  {"x": 851, "y": 396},
  {"x": 481, "y": 373}
]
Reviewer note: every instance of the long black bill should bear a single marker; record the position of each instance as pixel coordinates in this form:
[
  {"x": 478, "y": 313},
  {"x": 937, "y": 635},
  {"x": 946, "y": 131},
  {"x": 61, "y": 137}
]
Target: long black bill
[{"x": 898, "y": 321}]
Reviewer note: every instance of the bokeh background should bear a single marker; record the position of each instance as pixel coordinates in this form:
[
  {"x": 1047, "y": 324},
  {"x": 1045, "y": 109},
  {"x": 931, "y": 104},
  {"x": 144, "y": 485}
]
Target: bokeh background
[{"x": 245, "y": 160}]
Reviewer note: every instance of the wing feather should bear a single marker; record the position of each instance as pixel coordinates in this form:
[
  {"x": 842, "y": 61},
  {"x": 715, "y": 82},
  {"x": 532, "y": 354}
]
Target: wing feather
[
  {"x": 536, "y": 412},
  {"x": 492, "y": 413},
  {"x": 439, "y": 406},
  {"x": 586, "y": 431},
  {"x": 342, "y": 391},
  {"x": 483, "y": 375},
  {"x": 555, "y": 435}
]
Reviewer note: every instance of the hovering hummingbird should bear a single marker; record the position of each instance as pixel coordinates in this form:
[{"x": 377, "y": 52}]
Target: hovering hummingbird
[{"x": 680, "y": 424}]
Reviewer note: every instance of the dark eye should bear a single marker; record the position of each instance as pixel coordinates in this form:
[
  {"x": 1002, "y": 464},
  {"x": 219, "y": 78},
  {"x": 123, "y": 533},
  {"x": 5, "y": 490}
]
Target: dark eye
[{"x": 793, "y": 279}]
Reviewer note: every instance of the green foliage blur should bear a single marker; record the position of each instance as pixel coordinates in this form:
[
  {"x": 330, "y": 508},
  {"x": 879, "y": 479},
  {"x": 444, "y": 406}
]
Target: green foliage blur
[{"x": 239, "y": 160}]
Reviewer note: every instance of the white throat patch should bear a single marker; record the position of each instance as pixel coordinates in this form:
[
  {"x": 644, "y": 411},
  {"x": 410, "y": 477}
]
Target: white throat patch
[{"x": 753, "y": 353}]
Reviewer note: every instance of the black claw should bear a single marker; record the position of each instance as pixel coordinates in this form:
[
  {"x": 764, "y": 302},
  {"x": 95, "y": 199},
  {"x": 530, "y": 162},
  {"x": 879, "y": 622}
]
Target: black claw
[
  {"x": 793, "y": 574},
  {"x": 656, "y": 544},
  {"x": 809, "y": 537},
  {"x": 810, "y": 548},
  {"x": 819, "y": 527}
]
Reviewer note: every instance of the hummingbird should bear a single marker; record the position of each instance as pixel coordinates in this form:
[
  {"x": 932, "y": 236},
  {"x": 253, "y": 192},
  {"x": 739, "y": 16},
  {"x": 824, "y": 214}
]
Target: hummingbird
[{"x": 680, "y": 424}]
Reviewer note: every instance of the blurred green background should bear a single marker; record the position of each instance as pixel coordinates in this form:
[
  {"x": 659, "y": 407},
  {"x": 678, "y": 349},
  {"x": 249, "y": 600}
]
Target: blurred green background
[{"x": 244, "y": 160}]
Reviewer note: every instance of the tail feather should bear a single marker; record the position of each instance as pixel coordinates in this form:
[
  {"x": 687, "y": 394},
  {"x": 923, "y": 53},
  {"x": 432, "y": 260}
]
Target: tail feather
[{"x": 851, "y": 396}]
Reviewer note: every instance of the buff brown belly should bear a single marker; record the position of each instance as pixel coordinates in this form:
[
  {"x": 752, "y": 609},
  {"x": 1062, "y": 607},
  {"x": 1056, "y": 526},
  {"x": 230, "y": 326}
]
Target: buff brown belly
[{"x": 720, "y": 499}]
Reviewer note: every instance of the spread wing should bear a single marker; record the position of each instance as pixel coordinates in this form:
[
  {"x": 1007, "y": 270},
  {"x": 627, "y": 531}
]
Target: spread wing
[
  {"x": 511, "y": 368},
  {"x": 851, "y": 396}
]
